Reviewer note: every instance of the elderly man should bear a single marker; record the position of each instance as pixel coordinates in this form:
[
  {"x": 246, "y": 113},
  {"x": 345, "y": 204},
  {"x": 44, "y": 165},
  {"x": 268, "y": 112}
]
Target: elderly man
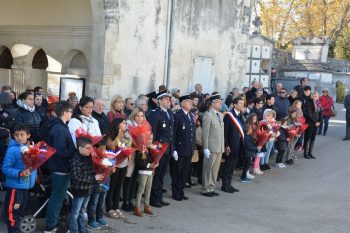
[
  {"x": 100, "y": 116},
  {"x": 198, "y": 92},
  {"x": 251, "y": 94},
  {"x": 347, "y": 107},
  {"x": 278, "y": 87},
  {"x": 129, "y": 106}
]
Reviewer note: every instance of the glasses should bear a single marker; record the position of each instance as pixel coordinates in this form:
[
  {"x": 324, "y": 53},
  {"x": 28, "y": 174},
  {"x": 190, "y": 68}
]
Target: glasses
[
  {"x": 132, "y": 103},
  {"x": 324, "y": 91},
  {"x": 261, "y": 103},
  {"x": 282, "y": 92}
]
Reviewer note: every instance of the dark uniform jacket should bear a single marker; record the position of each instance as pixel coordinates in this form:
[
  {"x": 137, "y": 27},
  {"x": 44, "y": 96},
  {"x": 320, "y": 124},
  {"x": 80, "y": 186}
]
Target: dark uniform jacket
[
  {"x": 162, "y": 127},
  {"x": 233, "y": 138},
  {"x": 184, "y": 133}
]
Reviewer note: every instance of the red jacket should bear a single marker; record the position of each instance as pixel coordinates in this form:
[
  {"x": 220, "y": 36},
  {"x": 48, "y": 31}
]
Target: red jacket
[{"x": 327, "y": 103}]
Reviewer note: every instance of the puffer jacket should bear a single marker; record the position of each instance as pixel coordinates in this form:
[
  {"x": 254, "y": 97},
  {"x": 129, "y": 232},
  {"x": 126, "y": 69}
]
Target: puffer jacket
[
  {"x": 12, "y": 167},
  {"x": 31, "y": 119}
]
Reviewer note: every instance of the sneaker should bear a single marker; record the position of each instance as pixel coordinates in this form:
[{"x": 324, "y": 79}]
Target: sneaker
[
  {"x": 283, "y": 166},
  {"x": 246, "y": 180},
  {"x": 93, "y": 225},
  {"x": 250, "y": 176},
  {"x": 294, "y": 157},
  {"x": 257, "y": 172},
  {"x": 102, "y": 222},
  {"x": 279, "y": 165}
]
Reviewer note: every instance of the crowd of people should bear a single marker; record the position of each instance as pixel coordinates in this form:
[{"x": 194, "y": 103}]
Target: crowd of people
[{"x": 208, "y": 138}]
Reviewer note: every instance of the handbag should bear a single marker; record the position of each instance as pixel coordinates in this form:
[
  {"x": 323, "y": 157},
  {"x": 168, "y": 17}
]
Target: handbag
[
  {"x": 195, "y": 156},
  {"x": 333, "y": 112}
]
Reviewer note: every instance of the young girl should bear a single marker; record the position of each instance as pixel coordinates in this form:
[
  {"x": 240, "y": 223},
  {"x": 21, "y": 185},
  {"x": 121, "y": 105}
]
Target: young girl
[
  {"x": 297, "y": 105},
  {"x": 252, "y": 120},
  {"x": 145, "y": 170},
  {"x": 117, "y": 137},
  {"x": 282, "y": 144},
  {"x": 292, "y": 122},
  {"x": 250, "y": 151}
]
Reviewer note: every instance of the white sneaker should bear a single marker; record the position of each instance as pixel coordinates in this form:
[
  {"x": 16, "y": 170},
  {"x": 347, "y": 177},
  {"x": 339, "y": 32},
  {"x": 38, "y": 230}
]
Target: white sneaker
[
  {"x": 250, "y": 176},
  {"x": 279, "y": 165},
  {"x": 283, "y": 166},
  {"x": 257, "y": 172}
]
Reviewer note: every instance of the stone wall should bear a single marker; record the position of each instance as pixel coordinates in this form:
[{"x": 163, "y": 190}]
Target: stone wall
[{"x": 339, "y": 65}]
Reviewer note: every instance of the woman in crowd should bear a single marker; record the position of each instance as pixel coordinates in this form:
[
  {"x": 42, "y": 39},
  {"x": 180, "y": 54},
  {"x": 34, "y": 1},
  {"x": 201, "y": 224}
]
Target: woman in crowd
[
  {"x": 327, "y": 107},
  {"x": 117, "y": 137},
  {"x": 116, "y": 109},
  {"x": 26, "y": 114},
  {"x": 293, "y": 97}
]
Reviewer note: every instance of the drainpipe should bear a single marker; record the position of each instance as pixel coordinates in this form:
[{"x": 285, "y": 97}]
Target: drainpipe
[{"x": 168, "y": 43}]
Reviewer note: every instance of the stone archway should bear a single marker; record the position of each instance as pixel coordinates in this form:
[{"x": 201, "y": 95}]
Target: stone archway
[{"x": 6, "y": 61}]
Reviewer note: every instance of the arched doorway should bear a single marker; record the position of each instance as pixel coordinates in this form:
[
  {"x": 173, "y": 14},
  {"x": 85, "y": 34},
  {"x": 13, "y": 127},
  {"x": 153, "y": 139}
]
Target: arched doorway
[{"x": 6, "y": 61}]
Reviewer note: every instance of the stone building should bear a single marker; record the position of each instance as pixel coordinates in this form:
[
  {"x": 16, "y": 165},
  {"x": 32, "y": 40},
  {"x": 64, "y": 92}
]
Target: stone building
[{"x": 124, "y": 47}]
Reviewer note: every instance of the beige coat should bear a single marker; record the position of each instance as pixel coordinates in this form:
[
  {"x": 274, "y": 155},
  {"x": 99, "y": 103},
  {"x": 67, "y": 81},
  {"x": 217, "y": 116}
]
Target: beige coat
[{"x": 213, "y": 132}]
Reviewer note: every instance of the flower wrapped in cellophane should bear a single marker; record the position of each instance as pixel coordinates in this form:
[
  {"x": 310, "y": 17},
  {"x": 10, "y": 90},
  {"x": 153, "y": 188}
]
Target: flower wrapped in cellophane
[
  {"x": 104, "y": 162},
  {"x": 157, "y": 150},
  {"x": 263, "y": 133},
  {"x": 82, "y": 133},
  {"x": 302, "y": 128},
  {"x": 123, "y": 154},
  {"x": 291, "y": 133},
  {"x": 35, "y": 155},
  {"x": 141, "y": 135}
]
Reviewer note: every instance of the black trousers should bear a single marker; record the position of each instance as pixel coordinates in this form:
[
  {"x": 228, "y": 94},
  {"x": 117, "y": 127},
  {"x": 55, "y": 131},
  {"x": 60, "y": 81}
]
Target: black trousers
[
  {"x": 115, "y": 186},
  {"x": 347, "y": 135},
  {"x": 309, "y": 139},
  {"x": 199, "y": 165},
  {"x": 158, "y": 179},
  {"x": 281, "y": 154},
  {"x": 180, "y": 170},
  {"x": 228, "y": 168},
  {"x": 129, "y": 187},
  {"x": 246, "y": 166},
  {"x": 12, "y": 212}
]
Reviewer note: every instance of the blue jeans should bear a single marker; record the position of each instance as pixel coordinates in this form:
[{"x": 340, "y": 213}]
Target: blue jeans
[
  {"x": 59, "y": 187},
  {"x": 265, "y": 159},
  {"x": 324, "y": 125},
  {"x": 77, "y": 220},
  {"x": 96, "y": 203}
]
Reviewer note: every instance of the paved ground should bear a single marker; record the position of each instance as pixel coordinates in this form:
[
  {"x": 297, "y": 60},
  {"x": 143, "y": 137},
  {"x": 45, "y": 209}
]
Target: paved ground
[{"x": 310, "y": 196}]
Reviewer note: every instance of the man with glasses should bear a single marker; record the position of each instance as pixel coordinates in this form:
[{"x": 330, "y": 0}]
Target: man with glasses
[
  {"x": 129, "y": 106},
  {"x": 58, "y": 165},
  {"x": 282, "y": 104}
]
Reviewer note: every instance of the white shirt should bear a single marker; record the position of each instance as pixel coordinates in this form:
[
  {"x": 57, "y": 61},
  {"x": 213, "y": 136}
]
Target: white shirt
[{"x": 89, "y": 124}]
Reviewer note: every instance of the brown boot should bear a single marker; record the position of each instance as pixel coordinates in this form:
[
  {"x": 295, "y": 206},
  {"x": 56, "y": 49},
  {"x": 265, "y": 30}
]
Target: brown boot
[
  {"x": 148, "y": 210},
  {"x": 137, "y": 212}
]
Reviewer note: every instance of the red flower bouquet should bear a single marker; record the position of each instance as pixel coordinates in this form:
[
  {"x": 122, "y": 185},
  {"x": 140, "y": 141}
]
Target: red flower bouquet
[
  {"x": 82, "y": 133},
  {"x": 37, "y": 154},
  {"x": 302, "y": 128},
  {"x": 292, "y": 132},
  {"x": 276, "y": 126},
  {"x": 263, "y": 134},
  {"x": 141, "y": 134},
  {"x": 102, "y": 164},
  {"x": 157, "y": 150},
  {"x": 123, "y": 154}
]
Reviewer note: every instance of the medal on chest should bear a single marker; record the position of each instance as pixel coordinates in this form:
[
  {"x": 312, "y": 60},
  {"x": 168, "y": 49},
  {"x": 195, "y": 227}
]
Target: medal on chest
[
  {"x": 164, "y": 125},
  {"x": 183, "y": 126}
]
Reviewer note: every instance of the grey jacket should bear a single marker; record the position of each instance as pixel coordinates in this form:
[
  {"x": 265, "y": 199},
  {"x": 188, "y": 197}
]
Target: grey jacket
[{"x": 213, "y": 132}]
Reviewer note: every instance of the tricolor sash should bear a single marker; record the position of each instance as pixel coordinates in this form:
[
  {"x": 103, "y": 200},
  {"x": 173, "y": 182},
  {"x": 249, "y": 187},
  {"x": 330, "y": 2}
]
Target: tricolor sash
[{"x": 237, "y": 124}]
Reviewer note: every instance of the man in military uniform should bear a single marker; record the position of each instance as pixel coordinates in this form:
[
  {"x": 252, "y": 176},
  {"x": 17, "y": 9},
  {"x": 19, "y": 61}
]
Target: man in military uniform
[
  {"x": 162, "y": 122},
  {"x": 184, "y": 142}
]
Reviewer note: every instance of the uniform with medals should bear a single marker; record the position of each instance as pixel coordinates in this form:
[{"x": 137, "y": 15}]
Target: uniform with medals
[
  {"x": 184, "y": 143},
  {"x": 162, "y": 122}
]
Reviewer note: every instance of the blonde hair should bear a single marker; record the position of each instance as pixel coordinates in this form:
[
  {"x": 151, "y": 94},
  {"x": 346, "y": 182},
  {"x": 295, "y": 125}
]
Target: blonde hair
[
  {"x": 134, "y": 113},
  {"x": 295, "y": 103},
  {"x": 116, "y": 98},
  {"x": 269, "y": 112}
]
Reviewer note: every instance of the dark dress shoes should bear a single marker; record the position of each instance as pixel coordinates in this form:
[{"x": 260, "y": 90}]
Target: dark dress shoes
[
  {"x": 235, "y": 190},
  {"x": 346, "y": 139},
  {"x": 177, "y": 198},
  {"x": 156, "y": 204},
  {"x": 185, "y": 198},
  {"x": 163, "y": 203},
  {"x": 227, "y": 190},
  {"x": 208, "y": 194},
  {"x": 164, "y": 190},
  {"x": 215, "y": 194},
  {"x": 311, "y": 156},
  {"x": 307, "y": 157}
]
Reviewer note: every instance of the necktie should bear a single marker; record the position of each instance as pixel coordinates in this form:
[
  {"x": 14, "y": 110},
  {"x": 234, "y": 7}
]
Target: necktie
[
  {"x": 168, "y": 115},
  {"x": 217, "y": 114}
]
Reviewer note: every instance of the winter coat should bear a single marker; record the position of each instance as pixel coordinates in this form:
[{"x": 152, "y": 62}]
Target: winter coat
[
  {"x": 60, "y": 139},
  {"x": 282, "y": 143},
  {"x": 31, "y": 119},
  {"x": 41, "y": 110},
  {"x": 89, "y": 124},
  {"x": 111, "y": 116},
  {"x": 259, "y": 113},
  {"x": 250, "y": 146},
  {"x": 327, "y": 104},
  {"x": 281, "y": 107},
  {"x": 143, "y": 162},
  {"x": 102, "y": 122},
  {"x": 13, "y": 166},
  {"x": 82, "y": 175},
  {"x": 312, "y": 116},
  {"x": 251, "y": 94}
]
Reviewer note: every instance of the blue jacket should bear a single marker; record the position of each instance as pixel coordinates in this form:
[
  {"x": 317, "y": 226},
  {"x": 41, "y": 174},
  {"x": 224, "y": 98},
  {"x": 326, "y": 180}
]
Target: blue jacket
[{"x": 13, "y": 165}]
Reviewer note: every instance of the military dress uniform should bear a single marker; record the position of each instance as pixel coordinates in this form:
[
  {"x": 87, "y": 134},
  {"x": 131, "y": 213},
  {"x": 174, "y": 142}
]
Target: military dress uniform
[
  {"x": 162, "y": 122},
  {"x": 184, "y": 143}
]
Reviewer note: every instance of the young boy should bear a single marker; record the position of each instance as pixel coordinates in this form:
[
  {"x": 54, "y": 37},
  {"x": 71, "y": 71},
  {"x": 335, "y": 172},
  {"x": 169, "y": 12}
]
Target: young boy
[
  {"x": 82, "y": 177},
  {"x": 18, "y": 180}
]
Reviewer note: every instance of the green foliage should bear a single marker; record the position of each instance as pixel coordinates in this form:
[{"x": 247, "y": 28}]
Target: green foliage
[
  {"x": 342, "y": 47},
  {"x": 340, "y": 92}
]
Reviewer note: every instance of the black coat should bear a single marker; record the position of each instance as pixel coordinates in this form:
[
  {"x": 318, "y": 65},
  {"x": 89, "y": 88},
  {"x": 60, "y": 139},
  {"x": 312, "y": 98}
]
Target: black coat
[
  {"x": 251, "y": 94},
  {"x": 103, "y": 122},
  {"x": 347, "y": 106},
  {"x": 282, "y": 143},
  {"x": 143, "y": 161},
  {"x": 41, "y": 110},
  {"x": 32, "y": 120},
  {"x": 311, "y": 115},
  {"x": 250, "y": 148},
  {"x": 259, "y": 113},
  {"x": 233, "y": 138},
  {"x": 184, "y": 133},
  {"x": 162, "y": 127}
]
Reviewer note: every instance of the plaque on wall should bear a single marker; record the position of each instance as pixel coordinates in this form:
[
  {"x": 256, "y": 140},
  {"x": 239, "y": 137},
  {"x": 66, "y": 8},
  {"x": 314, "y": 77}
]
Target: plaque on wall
[{"x": 68, "y": 85}]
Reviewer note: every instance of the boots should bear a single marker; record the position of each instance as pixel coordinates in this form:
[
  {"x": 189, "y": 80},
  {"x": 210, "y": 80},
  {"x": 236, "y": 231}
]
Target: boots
[
  {"x": 311, "y": 146},
  {"x": 148, "y": 210},
  {"x": 137, "y": 212}
]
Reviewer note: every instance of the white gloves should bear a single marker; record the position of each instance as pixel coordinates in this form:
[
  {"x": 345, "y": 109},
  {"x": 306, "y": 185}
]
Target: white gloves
[
  {"x": 175, "y": 156},
  {"x": 24, "y": 149},
  {"x": 206, "y": 153}
]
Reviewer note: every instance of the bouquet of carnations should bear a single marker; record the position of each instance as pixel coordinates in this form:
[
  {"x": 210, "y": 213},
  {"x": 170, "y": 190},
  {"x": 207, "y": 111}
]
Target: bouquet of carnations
[
  {"x": 291, "y": 132},
  {"x": 157, "y": 150},
  {"x": 104, "y": 162},
  {"x": 141, "y": 134},
  {"x": 302, "y": 128},
  {"x": 35, "y": 155},
  {"x": 263, "y": 133},
  {"x": 276, "y": 125},
  {"x": 82, "y": 133}
]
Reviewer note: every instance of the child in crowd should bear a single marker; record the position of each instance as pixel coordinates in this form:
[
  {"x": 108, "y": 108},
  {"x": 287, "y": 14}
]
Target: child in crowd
[
  {"x": 82, "y": 177},
  {"x": 252, "y": 120},
  {"x": 18, "y": 179},
  {"x": 146, "y": 169},
  {"x": 250, "y": 151},
  {"x": 97, "y": 198},
  {"x": 292, "y": 122},
  {"x": 282, "y": 144}
]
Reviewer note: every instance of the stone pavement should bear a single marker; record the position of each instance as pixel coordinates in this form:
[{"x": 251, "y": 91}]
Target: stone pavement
[{"x": 310, "y": 196}]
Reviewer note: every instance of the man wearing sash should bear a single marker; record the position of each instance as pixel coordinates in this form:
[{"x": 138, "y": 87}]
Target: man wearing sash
[{"x": 234, "y": 139}]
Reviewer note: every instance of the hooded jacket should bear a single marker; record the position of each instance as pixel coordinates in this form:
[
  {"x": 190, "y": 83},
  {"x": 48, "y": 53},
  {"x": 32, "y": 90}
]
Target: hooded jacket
[{"x": 12, "y": 167}]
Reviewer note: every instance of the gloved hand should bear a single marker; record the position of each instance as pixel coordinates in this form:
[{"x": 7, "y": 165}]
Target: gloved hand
[
  {"x": 206, "y": 153},
  {"x": 175, "y": 156}
]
